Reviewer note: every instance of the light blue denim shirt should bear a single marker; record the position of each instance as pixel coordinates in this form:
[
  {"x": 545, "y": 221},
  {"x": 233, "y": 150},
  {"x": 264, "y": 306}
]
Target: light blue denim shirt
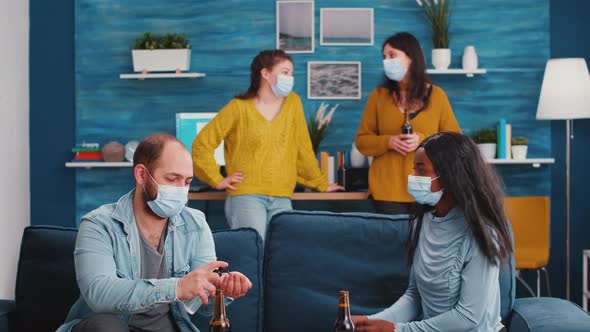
[
  {"x": 108, "y": 270},
  {"x": 453, "y": 287}
]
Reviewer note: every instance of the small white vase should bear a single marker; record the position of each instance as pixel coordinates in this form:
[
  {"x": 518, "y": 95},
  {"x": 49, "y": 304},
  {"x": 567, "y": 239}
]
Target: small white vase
[
  {"x": 488, "y": 150},
  {"x": 469, "y": 58},
  {"x": 357, "y": 159},
  {"x": 519, "y": 151},
  {"x": 441, "y": 58},
  {"x": 370, "y": 159}
]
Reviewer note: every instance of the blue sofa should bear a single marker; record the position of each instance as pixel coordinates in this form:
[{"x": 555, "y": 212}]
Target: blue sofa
[{"x": 309, "y": 257}]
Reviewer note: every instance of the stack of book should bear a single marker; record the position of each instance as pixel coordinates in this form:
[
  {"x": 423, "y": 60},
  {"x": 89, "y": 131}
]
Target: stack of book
[
  {"x": 87, "y": 152},
  {"x": 504, "y": 133}
]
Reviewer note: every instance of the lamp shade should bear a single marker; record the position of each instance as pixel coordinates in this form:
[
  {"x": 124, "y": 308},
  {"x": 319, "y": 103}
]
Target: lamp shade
[{"x": 565, "y": 93}]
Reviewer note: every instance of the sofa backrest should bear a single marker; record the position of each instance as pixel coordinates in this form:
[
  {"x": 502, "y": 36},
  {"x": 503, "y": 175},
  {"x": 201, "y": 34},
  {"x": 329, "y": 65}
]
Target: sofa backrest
[
  {"x": 310, "y": 256},
  {"x": 46, "y": 284},
  {"x": 46, "y": 281},
  {"x": 243, "y": 250}
]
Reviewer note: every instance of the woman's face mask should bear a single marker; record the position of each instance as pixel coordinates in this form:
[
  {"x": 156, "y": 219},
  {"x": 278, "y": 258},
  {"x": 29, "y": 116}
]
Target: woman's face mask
[
  {"x": 394, "y": 69},
  {"x": 283, "y": 86},
  {"x": 419, "y": 189}
]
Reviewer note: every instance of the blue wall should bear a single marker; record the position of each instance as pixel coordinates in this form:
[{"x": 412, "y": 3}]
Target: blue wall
[
  {"x": 52, "y": 112},
  {"x": 225, "y": 40},
  {"x": 87, "y": 101},
  {"x": 569, "y": 38}
]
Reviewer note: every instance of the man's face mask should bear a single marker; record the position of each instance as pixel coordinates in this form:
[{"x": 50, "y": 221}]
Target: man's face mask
[{"x": 170, "y": 200}]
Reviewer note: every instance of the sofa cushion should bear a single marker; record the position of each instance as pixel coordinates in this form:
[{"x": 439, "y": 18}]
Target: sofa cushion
[
  {"x": 548, "y": 315},
  {"x": 46, "y": 281},
  {"x": 243, "y": 250},
  {"x": 310, "y": 256}
]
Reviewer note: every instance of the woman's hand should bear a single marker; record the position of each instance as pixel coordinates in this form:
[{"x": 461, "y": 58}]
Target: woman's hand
[
  {"x": 404, "y": 143},
  {"x": 364, "y": 324},
  {"x": 228, "y": 182},
  {"x": 332, "y": 187}
]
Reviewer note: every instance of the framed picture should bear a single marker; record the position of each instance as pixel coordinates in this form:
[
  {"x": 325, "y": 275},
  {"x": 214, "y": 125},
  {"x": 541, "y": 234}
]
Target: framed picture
[
  {"x": 346, "y": 26},
  {"x": 188, "y": 126},
  {"x": 334, "y": 80},
  {"x": 295, "y": 26}
]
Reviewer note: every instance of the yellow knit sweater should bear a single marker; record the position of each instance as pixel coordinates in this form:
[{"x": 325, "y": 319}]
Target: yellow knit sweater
[
  {"x": 272, "y": 155},
  {"x": 388, "y": 174}
]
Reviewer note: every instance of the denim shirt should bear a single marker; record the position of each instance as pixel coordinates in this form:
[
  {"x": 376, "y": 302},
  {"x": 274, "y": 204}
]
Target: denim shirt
[{"x": 107, "y": 260}]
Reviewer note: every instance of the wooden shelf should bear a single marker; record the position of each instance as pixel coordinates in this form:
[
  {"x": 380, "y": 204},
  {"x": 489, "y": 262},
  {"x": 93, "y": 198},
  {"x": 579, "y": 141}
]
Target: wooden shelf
[
  {"x": 298, "y": 196},
  {"x": 535, "y": 162},
  {"x": 91, "y": 164},
  {"x": 468, "y": 73},
  {"x": 140, "y": 76}
]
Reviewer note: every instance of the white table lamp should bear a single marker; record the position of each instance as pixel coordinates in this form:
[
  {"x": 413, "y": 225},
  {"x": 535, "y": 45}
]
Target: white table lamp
[{"x": 565, "y": 95}]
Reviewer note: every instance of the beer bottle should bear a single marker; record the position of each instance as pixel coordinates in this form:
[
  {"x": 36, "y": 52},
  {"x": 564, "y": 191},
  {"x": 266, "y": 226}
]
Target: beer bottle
[
  {"x": 344, "y": 321},
  {"x": 219, "y": 322},
  {"x": 407, "y": 127},
  {"x": 342, "y": 169}
]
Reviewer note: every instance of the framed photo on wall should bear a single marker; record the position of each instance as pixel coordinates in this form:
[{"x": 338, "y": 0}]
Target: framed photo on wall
[
  {"x": 295, "y": 26},
  {"x": 346, "y": 26},
  {"x": 334, "y": 80}
]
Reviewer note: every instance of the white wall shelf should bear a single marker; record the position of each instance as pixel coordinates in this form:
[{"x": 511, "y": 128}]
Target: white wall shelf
[
  {"x": 535, "y": 162},
  {"x": 91, "y": 164},
  {"x": 468, "y": 73},
  {"x": 140, "y": 76}
]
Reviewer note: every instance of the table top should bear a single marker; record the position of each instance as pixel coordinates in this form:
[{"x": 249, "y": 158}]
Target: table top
[{"x": 301, "y": 196}]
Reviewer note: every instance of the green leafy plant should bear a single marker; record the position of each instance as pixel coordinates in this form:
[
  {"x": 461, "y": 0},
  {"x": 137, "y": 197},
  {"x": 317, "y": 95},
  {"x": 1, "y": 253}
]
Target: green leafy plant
[
  {"x": 484, "y": 135},
  {"x": 318, "y": 125},
  {"x": 150, "y": 41},
  {"x": 437, "y": 13},
  {"x": 520, "y": 141}
]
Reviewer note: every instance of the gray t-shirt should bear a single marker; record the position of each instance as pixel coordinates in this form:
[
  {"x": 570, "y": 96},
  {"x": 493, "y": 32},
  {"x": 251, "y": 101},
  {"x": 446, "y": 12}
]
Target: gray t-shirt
[{"x": 153, "y": 266}]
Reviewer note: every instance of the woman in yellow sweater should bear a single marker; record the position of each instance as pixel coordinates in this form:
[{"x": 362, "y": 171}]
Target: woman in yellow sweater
[
  {"x": 267, "y": 146},
  {"x": 405, "y": 89}
]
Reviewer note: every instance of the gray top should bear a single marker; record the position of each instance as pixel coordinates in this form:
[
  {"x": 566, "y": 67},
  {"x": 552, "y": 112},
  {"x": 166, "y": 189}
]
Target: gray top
[
  {"x": 452, "y": 283},
  {"x": 153, "y": 266}
]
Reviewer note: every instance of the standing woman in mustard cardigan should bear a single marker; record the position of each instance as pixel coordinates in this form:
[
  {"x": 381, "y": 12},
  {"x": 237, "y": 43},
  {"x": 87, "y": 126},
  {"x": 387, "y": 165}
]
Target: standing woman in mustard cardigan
[
  {"x": 267, "y": 146},
  {"x": 405, "y": 89}
]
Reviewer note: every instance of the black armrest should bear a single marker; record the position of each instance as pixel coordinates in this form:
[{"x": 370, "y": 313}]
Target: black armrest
[{"x": 6, "y": 309}]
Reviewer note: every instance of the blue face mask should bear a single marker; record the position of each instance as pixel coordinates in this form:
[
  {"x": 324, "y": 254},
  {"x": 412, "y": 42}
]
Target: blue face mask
[
  {"x": 170, "y": 200},
  {"x": 394, "y": 69},
  {"x": 284, "y": 85},
  {"x": 419, "y": 188}
]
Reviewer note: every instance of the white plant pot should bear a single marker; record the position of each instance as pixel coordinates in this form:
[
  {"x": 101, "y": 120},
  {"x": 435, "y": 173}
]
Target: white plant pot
[
  {"x": 441, "y": 58},
  {"x": 488, "y": 150},
  {"x": 470, "y": 58},
  {"x": 370, "y": 160},
  {"x": 357, "y": 159},
  {"x": 161, "y": 60},
  {"x": 519, "y": 151}
]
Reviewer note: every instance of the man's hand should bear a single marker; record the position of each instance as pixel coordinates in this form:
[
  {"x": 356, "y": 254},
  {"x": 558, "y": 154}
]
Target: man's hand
[
  {"x": 234, "y": 284},
  {"x": 199, "y": 280},
  {"x": 228, "y": 182},
  {"x": 364, "y": 324}
]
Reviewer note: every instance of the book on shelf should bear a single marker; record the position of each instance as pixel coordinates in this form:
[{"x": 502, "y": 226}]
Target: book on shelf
[{"x": 501, "y": 138}]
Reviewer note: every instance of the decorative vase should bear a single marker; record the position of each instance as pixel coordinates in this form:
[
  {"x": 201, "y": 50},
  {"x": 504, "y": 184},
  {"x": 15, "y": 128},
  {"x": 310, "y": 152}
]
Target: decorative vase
[
  {"x": 519, "y": 151},
  {"x": 113, "y": 152},
  {"x": 441, "y": 58},
  {"x": 488, "y": 150},
  {"x": 469, "y": 58},
  {"x": 357, "y": 159}
]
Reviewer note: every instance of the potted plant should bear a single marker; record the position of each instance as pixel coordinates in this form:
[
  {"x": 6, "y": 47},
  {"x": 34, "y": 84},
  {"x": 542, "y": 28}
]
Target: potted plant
[
  {"x": 170, "y": 52},
  {"x": 486, "y": 139},
  {"x": 437, "y": 13},
  {"x": 519, "y": 147},
  {"x": 318, "y": 125}
]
